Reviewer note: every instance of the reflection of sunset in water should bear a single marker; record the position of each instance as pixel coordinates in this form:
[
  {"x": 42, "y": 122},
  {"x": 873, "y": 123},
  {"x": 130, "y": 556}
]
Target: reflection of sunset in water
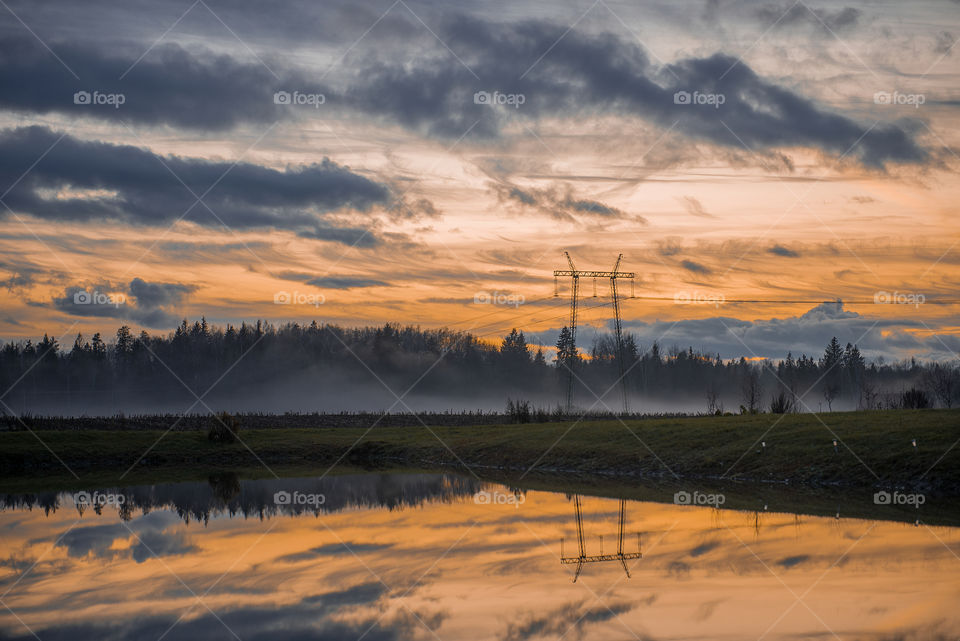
[{"x": 469, "y": 570}]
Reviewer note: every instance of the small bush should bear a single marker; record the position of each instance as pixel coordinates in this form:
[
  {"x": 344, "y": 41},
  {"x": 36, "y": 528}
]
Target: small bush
[
  {"x": 223, "y": 428},
  {"x": 915, "y": 399},
  {"x": 781, "y": 403}
]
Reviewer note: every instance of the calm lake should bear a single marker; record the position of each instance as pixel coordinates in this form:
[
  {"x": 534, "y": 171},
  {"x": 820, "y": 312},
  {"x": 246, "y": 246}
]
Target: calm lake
[{"x": 444, "y": 557}]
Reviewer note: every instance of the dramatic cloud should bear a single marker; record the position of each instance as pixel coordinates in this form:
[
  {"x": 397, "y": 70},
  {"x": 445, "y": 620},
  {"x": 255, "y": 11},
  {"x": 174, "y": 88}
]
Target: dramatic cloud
[
  {"x": 502, "y": 73},
  {"x": 560, "y": 203},
  {"x": 157, "y": 294},
  {"x": 149, "y": 304},
  {"x": 170, "y": 86},
  {"x": 80, "y": 181},
  {"x": 807, "y": 333},
  {"x": 584, "y": 73}
]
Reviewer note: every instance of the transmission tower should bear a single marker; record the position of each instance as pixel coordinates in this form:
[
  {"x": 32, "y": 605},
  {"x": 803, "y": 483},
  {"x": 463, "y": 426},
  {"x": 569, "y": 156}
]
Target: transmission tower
[
  {"x": 583, "y": 557},
  {"x": 575, "y": 275}
]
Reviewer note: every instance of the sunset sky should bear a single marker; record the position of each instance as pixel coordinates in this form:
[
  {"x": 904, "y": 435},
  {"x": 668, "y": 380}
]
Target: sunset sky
[{"x": 153, "y": 157}]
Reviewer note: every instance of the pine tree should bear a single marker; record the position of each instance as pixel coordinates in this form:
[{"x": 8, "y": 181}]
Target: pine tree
[{"x": 566, "y": 350}]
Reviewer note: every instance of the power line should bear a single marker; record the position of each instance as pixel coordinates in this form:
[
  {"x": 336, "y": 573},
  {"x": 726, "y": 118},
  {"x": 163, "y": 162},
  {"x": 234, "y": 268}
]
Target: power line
[{"x": 719, "y": 300}]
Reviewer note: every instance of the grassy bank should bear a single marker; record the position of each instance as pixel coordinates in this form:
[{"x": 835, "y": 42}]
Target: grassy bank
[{"x": 875, "y": 450}]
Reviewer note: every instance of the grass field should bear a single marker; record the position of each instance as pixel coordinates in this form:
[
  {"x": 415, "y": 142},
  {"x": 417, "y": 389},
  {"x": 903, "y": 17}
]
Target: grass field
[{"x": 874, "y": 449}]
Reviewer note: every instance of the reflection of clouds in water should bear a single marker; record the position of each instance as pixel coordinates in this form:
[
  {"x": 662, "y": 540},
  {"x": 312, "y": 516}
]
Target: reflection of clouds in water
[
  {"x": 678, "y": 570},
  {"x": 155, "y": 534},
  {"x": 568, "y": 620},
  {"x": 476, "y": 570},
  {"x": 315, "y": 618},
  {"x": 703, "y": 548},
  {"x": 705, "y": 610},
  {"x": 792, "y": 561},
  {"x": 333, "y": 549}
]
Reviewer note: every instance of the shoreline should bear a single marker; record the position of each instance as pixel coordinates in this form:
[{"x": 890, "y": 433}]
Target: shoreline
[{"x": 874, "y": 450}]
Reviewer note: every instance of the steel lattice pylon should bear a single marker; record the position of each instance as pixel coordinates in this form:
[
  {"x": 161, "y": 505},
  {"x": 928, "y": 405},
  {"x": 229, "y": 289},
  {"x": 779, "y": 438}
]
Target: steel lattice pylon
[{"x": 575, "y": 275}]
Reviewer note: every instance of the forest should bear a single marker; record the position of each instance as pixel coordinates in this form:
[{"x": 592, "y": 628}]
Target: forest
[{"x": 200, "y": 367}]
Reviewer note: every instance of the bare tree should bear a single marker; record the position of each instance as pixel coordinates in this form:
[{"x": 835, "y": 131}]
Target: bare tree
[
  {"x": 830, "y": 392},
  {"x": 752, "y": 392},
  {"x": 869, "y": 397},
  {"x": 714, "y": 404},
  {"x": 942, "y": 380}
]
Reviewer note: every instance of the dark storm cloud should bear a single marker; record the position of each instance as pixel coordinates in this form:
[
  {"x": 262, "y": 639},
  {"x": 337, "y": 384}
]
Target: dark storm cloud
[
  {"x": 340, "y": 22},
  {"x": 78, "y": 181},
  {"x": 780, "y": 250},
  {"x": 586, "y": 74},
  {"x": 559, "y": 72},
  {"x": 199, "y": 90},
  {"x": 148, "y": 304},
  {"x": 157, "y": 294}
]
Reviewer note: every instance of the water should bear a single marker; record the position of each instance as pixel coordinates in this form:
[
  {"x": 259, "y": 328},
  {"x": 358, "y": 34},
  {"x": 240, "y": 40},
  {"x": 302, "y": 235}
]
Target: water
[{"x": 444, "y": 557}]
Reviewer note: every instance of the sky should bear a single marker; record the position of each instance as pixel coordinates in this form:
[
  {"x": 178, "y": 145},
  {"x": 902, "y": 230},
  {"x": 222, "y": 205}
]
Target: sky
[{"x": 429, "y": 163}]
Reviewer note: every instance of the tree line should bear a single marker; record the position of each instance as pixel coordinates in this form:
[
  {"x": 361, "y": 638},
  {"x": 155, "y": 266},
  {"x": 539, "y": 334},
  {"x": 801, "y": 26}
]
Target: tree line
[{"x": 262, "y": 358}]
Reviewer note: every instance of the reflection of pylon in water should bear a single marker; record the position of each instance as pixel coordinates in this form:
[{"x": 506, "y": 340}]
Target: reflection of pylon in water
[{"x": 583, "y": 557}]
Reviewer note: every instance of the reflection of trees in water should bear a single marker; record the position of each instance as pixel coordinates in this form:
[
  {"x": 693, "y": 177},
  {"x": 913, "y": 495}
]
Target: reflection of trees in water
[{"x": 226, "y": 494}]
